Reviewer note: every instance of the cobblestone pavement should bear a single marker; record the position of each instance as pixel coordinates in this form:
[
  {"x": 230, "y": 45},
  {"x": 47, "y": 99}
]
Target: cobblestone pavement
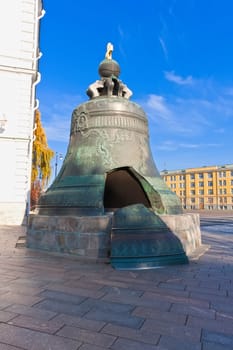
[{"x": 55, "y": 303}]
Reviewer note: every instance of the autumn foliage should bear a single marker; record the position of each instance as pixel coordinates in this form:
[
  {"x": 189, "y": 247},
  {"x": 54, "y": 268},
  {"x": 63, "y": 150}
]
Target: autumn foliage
[{"x": 41, "y": 161}]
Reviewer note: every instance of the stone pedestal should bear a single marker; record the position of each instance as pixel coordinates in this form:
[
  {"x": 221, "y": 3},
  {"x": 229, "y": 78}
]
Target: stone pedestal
[
  {"x": 84, "y": 237},
  {"x": 89, "y": 238},
  {"x": 186, "y": 227}
]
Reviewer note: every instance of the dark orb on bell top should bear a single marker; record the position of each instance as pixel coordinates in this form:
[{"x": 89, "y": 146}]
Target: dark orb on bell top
[{"x": 108, "y": 68}]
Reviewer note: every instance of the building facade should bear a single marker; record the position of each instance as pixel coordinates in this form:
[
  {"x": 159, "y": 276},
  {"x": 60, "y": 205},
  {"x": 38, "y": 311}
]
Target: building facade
[
  {"x": 208, "y": 187},
  {"x": 19, "y": 55}
]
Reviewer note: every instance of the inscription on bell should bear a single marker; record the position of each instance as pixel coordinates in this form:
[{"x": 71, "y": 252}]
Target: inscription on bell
[{"x": 82, "y": 122}]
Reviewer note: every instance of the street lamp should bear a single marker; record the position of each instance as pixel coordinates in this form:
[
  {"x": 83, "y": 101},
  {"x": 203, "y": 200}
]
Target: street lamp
[{"x": 59, "y": 156}]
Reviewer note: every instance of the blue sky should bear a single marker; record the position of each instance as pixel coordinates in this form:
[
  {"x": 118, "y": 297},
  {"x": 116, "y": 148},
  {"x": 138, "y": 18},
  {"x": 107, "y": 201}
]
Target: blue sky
[{"x": 175, "y": 55}]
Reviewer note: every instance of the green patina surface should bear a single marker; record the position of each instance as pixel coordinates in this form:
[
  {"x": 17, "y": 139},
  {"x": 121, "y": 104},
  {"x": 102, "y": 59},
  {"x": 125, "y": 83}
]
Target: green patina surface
[{"x": 141, "y": 239}]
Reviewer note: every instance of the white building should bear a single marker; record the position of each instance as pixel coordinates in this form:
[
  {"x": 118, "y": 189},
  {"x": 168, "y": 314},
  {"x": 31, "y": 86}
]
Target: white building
[{"x": 19, "y": 54}]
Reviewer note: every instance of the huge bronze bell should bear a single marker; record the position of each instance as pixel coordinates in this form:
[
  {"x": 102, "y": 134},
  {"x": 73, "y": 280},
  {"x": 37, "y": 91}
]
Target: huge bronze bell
[{"x": 108, "y": 185}]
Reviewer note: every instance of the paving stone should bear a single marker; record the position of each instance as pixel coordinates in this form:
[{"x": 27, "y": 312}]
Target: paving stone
[
  {"x": 107, "y": 306},
  {"x": 88, "y": 293},
  {"x": 225, "y": 316},
  {"x": 51, "y": 326},
  {"x": 208, "y": 291},
  {"x": 7, "y": 347},
  {"x": 159, "y": 292},
  {"x": 210, "y": 284},
  {"x": 27, "y": 282},
  {"x": 25, "y": 290},
  {"x": 30, "y": 311},
  {"x": 58, "y": 306},
  {"x": 147, "y": 312},
  {"x": 133, "y": 334},
  {"x": 193, "y": 310},
  {"x": 32, "y": 340},
  {"x": 214, "y": 346},
  {"x": 122, "y": 319},
  {"x": 91, "y": 347},
  {"x": 76, "y": 321},
  {"x": 173, "y": 286},
  {"x": 4, "y": 304},
  {"x": 217, "y": 337},
  {"x": 226, "y": 306},
  {"x": 124, "y": 299},
  {"x": 211, "y": 297},
  {"x": 83, "y": 283},
  {"x": 172, "y": 343},
  {"x": 223, "y": 326},
  {"x": 14, "y": 298},
  {"x": 55, "y": 295},
  {"x": 173, "y": 330},
  {"x": 167, "y": 297},
  {"x": 139, "y": 301},
  {"x": 6, "y": 316},
  {"x": 86, "y": 336},
  {"x": 126, "y": 344},
  {"x": 122, "y": 291}
]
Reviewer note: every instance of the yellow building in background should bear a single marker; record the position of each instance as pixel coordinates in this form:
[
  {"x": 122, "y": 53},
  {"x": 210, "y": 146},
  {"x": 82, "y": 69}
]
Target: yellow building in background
[{"x": 207, "y": 187}]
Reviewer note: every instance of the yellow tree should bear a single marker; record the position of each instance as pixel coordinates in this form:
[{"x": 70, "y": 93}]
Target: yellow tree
[{"x": 41, "y": 161}]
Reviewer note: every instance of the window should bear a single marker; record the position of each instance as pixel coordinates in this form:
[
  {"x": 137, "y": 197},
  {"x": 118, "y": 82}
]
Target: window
[
  {"x": 201, "y": 192},
  {"x": 192, "y": 193},
  {"x": 210, "y": 191},
  {"x": 192, "y": 200},
  {"x": 173, "y": 178},
  {"x": 231, "y": 173},
  {"x": 223, "y": 200},
  {"x": 192, "y": 184},
  {"x": 224, "y": 182},
  {"x": 192, "y": 176},
  {"x": 210, "y": 183},
  {"x": 181, "y": 185},
  {"x": 224, "y": 191},
  {"x": 201, "y": 176},
  {"x": 220, "y": 182},
  {"x": 231, "y": 182},
  {"x": 173, "y": 185},
  {"x": 220, "y": 191},
  {"x": 210, "y": 175},
  {"x": 201, "y": 184},
  {"x": 222, "y": 174},
  {"x": 181, "y": 177},
  {"x": 210, "y": 200},
  {"x": 232, "y": 191},
  {"x": 201, "y": 200}
]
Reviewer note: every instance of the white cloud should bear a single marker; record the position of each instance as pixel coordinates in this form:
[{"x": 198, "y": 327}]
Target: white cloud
[
  {"x": 120, "y": 31},
  {"x": 203, "y": 108},
  {"x": 164, "y": 47},
  {"x": 171, "y": 76},
  {"x": 174, "y": 146},
  {"x": 158, "y": 104}
]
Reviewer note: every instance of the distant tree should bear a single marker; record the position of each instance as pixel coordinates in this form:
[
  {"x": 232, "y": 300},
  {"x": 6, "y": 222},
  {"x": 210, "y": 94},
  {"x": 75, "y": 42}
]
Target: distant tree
[{"x": 41, "y": 161}]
